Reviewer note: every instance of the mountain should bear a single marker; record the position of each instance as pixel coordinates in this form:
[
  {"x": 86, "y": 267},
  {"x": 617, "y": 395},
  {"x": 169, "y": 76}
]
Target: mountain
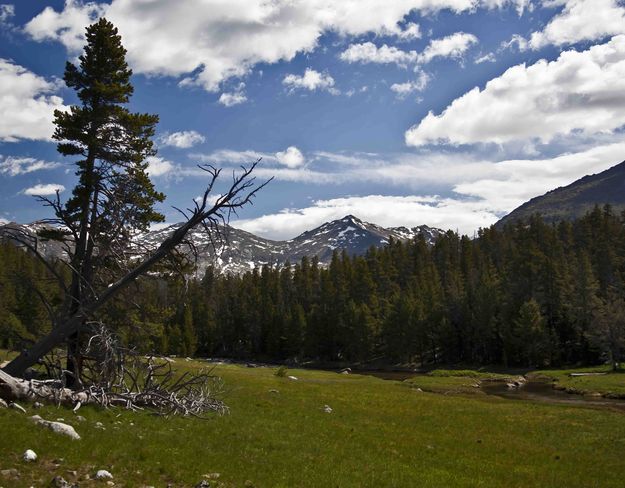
[
  {"x": 577, "y": 199},
  {"x": 242, "y": 251}
]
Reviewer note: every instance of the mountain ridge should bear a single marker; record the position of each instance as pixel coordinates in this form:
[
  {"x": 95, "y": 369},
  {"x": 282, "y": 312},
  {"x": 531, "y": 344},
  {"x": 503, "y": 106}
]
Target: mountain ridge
[
  {"x": 243, "y": 251},
  {"x": 575, "y": 200}
]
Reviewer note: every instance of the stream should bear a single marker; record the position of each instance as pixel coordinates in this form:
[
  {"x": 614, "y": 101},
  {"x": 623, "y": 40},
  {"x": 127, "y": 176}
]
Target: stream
[{"x": 543, "y": 391}]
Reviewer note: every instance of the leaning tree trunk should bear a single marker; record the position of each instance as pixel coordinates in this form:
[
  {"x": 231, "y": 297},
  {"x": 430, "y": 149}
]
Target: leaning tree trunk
[{"x": 240, "y": 193}]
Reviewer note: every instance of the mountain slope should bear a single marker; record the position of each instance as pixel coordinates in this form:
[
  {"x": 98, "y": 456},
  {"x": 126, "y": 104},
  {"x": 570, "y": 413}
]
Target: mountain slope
[
  {"x": 578, "y": 198},
  {"x": 242, "y": 251}
]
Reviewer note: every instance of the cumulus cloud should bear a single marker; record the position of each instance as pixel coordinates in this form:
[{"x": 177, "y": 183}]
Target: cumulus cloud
[
  {"x": 367, "y": 52},
  {"x": 515, "y": 41},
  {"x": 385, "y": 210},
  {"x": 579, "y": 91},
  {"x": 210, "y": 41},
  {"x": 27, "y": 104},
  {"x": 311, "y": 80},
  {"x": 183, "y": 139},
  {"x": 292, "y": 157},
  {"x": 44, "y": 189},
  {"x": 410, "y": 32},
  {"x": 229, "y": 99},
  {"x": 452, "y": 46},
  {"x": 158, "y": 166},
  {"x": 235, "y": 97},
  {"x": 480, "y": 192},
  {"x": 402, "y": 90},
  {"x": 580, "y": 20},
  {"x": 13, "y": 166}
]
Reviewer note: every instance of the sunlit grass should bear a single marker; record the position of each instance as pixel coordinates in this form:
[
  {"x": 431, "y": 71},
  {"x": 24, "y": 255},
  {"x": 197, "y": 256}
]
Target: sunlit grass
[{"x": 380, "y": 433}]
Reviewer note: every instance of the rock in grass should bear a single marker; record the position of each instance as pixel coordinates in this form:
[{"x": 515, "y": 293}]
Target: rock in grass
[
  {"x": 294, "y": 378},
  {"x": 327, "y": 409},
  {"x": 3, "y": 404},
  {"x": 60, "y": 428},
  {"x": 37, "y": 405},
  {"x": 29, "y": 456},
  {"x": 10, "y": 473},
  {"x": 103, "y": 474},
  {"x": 59, "y": 482},
  {"x": 17, "y": 406}
]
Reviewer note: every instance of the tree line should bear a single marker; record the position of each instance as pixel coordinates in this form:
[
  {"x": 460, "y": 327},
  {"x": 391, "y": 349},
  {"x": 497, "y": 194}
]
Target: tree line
[{"x": 531, "y": 294}]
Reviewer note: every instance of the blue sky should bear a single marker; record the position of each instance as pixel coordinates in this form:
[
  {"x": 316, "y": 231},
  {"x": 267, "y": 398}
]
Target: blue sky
[{"x": 442, "y": 112}]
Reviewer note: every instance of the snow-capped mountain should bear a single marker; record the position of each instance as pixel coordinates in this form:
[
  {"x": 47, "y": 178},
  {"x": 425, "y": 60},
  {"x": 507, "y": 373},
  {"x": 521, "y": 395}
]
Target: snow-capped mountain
[{"x": 242, "y": 251}]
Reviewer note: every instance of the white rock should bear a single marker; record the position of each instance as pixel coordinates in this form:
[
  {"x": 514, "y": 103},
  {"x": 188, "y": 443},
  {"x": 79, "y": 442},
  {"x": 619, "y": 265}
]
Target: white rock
[
  {"x": 3, "y": 404},
  {"x": 103, "y": 474},
  {"x": 60, "y": 428},
  {"x": 327, "y": 409},
  {"x": 294, "y": 378},
  {"x": 29, "y": 456},
  {"x": 35, "y": 418}
]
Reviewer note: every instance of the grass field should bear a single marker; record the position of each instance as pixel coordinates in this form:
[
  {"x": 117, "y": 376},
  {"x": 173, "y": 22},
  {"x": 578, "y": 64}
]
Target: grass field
[{"x": 379, "y": 434}]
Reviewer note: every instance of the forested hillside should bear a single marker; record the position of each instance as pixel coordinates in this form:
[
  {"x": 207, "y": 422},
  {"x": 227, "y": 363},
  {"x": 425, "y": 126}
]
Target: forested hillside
[{"x": 532, "y": 294}]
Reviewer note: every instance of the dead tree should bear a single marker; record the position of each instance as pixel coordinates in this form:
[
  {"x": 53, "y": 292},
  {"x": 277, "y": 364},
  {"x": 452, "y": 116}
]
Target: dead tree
[{"x": 212, "y": 217}]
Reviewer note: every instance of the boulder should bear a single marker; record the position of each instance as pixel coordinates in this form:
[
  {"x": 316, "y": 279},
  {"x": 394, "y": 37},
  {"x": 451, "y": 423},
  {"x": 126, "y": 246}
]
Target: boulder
[
  {"x": 29, "y": 456},
  {"x": 327, "y": 409},
  {"x": 103, "y": 474},
  {"x": 60, "y": 428},
  {"x": 11, "y": 473},
  {"x": 3, "y": 404}
]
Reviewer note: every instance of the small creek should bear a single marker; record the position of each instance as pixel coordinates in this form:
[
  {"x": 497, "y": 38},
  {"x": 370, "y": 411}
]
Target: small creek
[
  {"x": 535, "y": 390},
  {"x": 543, "y": 391}
]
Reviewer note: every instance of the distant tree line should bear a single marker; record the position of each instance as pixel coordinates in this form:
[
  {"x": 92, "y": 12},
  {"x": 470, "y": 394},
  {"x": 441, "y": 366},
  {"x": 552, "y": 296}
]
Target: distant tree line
[{"x": 531, "y": 294}]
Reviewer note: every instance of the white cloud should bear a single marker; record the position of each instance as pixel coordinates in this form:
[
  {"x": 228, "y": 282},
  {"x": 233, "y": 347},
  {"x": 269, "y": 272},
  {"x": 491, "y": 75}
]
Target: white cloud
[
  {"x": 291, "y": 158},
  {"x": 158, "y": 166},
  {"x": 452, "y": 46},
  {"x": 515, "y": 41},
  {"x": 235, "y": 97},
  {"x": 402, "y": 90},
  {"x": 385, "y": 210},
  {"x": 7, "y": 11},
  {"x": 486, "y": 58},
  {"x": 67, "y": 27},
  {"x": 210, "y": 41},
  {"x": 367, "y": 52},
  {"x": 183, "y": 139},
  {"x": 508, "y": 184},
  {"x": 580, "y": 91},
  {"x": 311, "y": 80},
  {"x": 480, "y": 191},
  {"x": 26, "y": 104},
  {"x": 410, "y": 32},
  {"x": 44, "y": 189},
  {"x": 14, "y": 166},
  {"x": 230, "y": 99},
  {"x": 581, "y": 20}
]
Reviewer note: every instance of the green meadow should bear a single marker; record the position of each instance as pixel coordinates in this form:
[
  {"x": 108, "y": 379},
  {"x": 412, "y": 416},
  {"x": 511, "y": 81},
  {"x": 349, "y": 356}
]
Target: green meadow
[{"x": 380, "y": 433}]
